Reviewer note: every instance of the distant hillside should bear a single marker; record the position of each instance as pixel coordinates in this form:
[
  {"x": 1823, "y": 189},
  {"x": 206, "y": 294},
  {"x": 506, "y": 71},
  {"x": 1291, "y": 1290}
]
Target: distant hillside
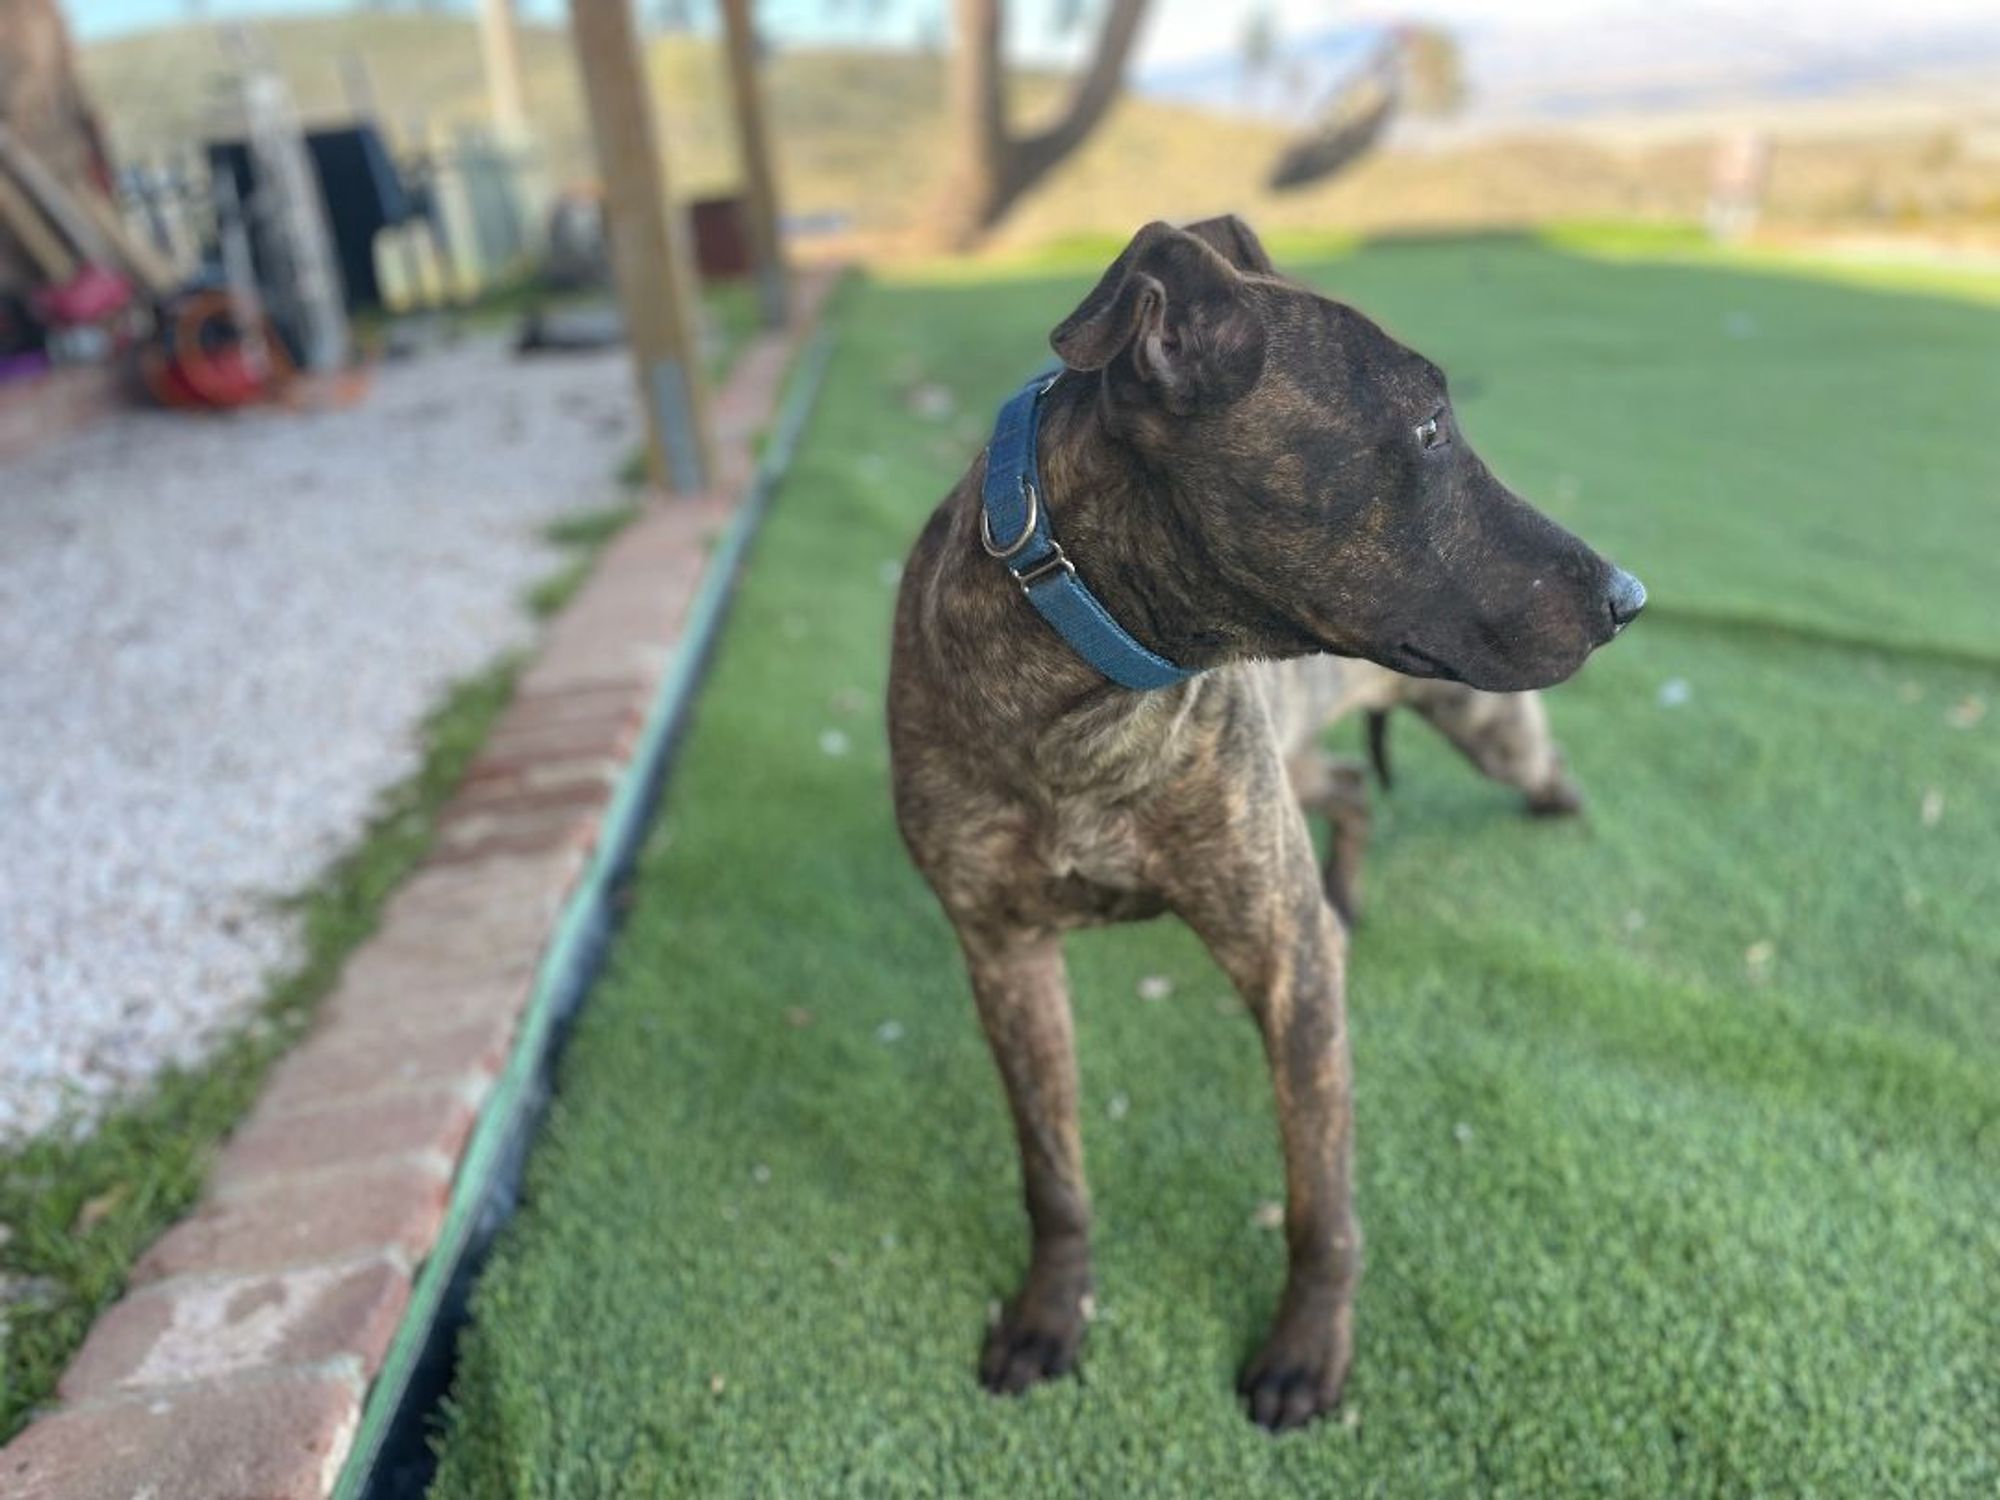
[
  {"x": 1673, "y": 67},
  {"x": 861, "y": 134},
  {"x": 857, "y": 132}
]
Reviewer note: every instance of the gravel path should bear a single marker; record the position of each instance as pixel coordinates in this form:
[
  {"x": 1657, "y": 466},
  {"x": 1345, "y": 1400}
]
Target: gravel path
[{"x": 217, "y": 640}]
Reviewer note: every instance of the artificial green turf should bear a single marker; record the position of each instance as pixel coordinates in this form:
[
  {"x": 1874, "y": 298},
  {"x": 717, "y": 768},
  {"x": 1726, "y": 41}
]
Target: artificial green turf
[{"x": 1679, "y": 1129}]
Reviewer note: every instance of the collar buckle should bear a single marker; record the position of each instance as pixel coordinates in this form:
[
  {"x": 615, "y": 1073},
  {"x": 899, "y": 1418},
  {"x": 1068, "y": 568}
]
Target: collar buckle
[{"x": 1048, "y": 567}]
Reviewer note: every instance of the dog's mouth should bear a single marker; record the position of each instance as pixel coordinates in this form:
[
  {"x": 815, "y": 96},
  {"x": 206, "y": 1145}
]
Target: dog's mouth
[
  {"x": 1414, "y": 661},
  {"x": 1411, "y": 660}
]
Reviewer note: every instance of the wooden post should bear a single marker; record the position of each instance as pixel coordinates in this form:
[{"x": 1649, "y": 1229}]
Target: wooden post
[
  {"x": 648, "y": 253},
  {"x": 753, "y": 143},
  {"x": 500, "y": 47},
  {"x": 526, "y": 196}
]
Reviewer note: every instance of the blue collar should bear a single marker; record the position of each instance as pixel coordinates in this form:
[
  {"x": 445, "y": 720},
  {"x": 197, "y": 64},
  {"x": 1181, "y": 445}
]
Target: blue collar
[{"x": 1016, "y": 513}]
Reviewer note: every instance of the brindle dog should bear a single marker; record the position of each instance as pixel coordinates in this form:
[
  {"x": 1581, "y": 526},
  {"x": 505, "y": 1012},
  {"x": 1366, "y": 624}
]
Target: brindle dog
[{"x": 1262, "y": 484}]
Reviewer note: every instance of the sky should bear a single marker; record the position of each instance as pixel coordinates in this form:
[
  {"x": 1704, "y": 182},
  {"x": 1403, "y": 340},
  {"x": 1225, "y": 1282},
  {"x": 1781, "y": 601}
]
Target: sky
[{"x": 1182, "y": 29}]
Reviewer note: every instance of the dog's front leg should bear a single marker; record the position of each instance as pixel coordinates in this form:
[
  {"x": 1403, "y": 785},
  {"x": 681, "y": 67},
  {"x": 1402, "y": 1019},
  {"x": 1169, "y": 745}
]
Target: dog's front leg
[
  {"x": 1259, "y": 908},
  {"x": 1022, "y": 990},
  {"x": 1506, "y": 736}
]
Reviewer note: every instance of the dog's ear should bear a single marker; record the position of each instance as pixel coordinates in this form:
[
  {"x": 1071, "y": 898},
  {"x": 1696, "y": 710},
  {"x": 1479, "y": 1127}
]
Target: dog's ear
[
  {"x": 1171, "y": 313},
  {"x": 1236, "y": 242},
  {"x": 1127, "y": 300}
]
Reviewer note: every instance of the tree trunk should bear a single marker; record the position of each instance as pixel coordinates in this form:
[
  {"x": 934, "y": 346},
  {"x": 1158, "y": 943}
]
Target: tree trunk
[{"x": 993, "y": 168}]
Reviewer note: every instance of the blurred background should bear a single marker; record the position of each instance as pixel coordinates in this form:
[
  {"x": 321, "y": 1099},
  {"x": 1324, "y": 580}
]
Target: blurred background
[
  {"x": 1811, "y": 122},
  {"x": 333, "y": 162}
]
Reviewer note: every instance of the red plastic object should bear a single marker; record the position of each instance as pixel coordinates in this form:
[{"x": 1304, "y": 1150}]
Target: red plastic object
[
  {"x": 223, "y": 379},
  {"x": 90, "y": 296}
]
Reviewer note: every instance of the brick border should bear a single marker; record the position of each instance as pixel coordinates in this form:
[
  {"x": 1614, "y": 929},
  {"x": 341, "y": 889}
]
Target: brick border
[{"x": 241, "y": 1357}]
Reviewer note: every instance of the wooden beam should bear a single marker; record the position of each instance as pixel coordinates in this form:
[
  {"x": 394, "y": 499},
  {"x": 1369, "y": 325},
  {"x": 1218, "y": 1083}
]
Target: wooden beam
[
  {"x": 753, "y": 143},
  {"x": 500, "y": 48},
  {"x": 21, "y": 218},
  {"x": 649, "y": 257}
]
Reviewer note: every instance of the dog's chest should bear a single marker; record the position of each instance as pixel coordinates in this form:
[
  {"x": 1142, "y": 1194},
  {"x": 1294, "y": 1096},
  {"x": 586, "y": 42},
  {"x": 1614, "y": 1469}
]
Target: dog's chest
[
  {"x": 1085, "y": 839},
  {"x": 1097, "y": 772}
]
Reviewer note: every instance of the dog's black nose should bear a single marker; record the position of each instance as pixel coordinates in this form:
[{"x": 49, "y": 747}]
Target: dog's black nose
[{"x": 1627, "y": 598}]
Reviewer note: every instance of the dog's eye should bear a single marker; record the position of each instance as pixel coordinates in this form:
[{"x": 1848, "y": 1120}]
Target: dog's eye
[{"x": 1432, "y": 434}]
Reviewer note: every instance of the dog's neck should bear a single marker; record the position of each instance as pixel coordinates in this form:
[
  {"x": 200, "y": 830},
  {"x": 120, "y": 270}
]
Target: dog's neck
[
  {"x": 1128, "y": 532},
  {"x": 1127, "y": 525}
]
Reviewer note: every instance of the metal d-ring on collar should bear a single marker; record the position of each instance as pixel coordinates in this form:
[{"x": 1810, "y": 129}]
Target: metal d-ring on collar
[
  {"x": 1011, "y": 505},
  {"x": 1026, "y": 577},
  {"x": 994, "y": 549}
]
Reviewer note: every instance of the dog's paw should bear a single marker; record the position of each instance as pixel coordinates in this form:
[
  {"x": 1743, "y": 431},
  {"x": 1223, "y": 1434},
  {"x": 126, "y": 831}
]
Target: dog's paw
[
  {"x": 1296, "y": 1378},
  {"x": 1561, "y": 798},
  {"x": 1035, "y": 1339}
]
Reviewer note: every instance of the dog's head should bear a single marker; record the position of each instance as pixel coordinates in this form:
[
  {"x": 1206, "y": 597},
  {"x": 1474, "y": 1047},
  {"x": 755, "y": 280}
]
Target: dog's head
[{"x": 1317, "y": 465}]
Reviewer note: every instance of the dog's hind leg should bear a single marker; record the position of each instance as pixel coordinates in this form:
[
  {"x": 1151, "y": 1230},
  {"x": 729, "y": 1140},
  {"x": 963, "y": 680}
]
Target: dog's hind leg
[
  {"x": 1022, "y": 990},
  {"x": 1252, "y": 893},
  {"x": 1336, "y": 787},
  {"x": 1505, "y": 735}
]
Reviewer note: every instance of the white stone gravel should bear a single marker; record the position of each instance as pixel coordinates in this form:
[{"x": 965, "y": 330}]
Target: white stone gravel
[{"x": 218, "y": 638}]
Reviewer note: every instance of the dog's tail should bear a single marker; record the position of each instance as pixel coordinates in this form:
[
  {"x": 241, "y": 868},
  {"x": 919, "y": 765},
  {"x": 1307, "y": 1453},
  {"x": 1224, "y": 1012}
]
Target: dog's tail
[{"x": 1378, "y": 747}]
